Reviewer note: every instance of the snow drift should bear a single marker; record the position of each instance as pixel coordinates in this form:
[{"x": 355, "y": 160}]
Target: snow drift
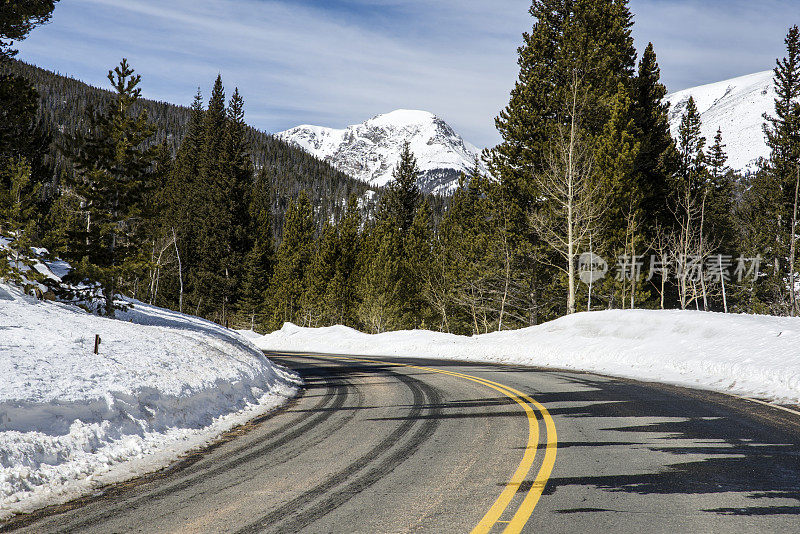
[
  {"x": 743, "y": 354},
  {"x": 162, "y": 384}
]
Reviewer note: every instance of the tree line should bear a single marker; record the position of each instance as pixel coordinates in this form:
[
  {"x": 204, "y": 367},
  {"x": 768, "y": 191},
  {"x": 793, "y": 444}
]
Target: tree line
[{"x": 587, "y": 168}]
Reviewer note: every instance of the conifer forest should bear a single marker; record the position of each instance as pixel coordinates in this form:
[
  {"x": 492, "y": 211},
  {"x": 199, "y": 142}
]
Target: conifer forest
[{"x": 189, "y": 208}]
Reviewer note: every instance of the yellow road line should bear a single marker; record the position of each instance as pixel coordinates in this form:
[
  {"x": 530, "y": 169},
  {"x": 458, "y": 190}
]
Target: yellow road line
[{"x": 523, "y": 513}]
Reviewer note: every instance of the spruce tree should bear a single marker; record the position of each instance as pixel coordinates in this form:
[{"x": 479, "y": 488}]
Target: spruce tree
[
  {"x": 259, "y": 260},
  {"x": 318, "y": 276},
  {"x": 183, "y": 198},
  {"x": 783, "y": 138},
  {"x": 585, "y": 40},
  {"x": 417, "y": 256},
  {"x": 18, "y": 209},
  {"x": 656, "y": 160},
  {"x": 691, "y": 147},
  {"x": 619, "y": 230},
  {"x": 18, "y": 18},
  {"x": 22, "y": 135},
  {"x": 402, "y": 197},
  {"x": 341, "y": 294},
  {"x": 380, "y": 260},
  {"x": 719, "y": 206},
  {"x": 293, "y": 259},
  {"x": 113, "y": 170}
]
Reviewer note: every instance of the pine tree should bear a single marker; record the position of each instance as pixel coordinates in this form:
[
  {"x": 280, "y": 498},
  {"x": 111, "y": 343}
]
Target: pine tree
[
  {"x": 22, "y": 135},
  {"x": 402, "y": 197},
  {"x": 113, "y": 169},
  {"x": 236, "y": 189},
  {"x": 783, "y": 138},
  {"x": 293, "y": 259},
  {"x": 656, "y": 160},
  {"x": 225, "y": 180},
  {"x": 18, "y": 18},
  {"x": 688, "y": 202},
  {"x": 380, "y": 261},
  {"x": 341, "y": 294},
  {"x": 18, "y": 209},
  {"x": 417, "y": 256},
  {"x": 259, "y": 260},
  {"x": 586, "y": 40},
  {"x": 183, "y": 197},
  {"x": 318, "y": 276},
  {"x": 619, "y": 228}
]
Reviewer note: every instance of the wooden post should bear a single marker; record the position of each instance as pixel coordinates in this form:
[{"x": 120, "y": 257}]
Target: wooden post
[{"x": 96, "y": 343}]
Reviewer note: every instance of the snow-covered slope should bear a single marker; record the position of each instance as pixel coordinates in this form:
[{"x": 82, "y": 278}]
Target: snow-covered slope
[
  {"x": 370, "y": 151},
  {"x": 737, "y": 107},
  {"x": 163, "y": 383},
  {"x": 744, "y": 354}
]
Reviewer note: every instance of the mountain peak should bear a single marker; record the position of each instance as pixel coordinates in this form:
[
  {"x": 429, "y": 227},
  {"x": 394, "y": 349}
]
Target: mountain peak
[
  {"x": 736, "y": 107},
  {"x": 370, "y": 150}
]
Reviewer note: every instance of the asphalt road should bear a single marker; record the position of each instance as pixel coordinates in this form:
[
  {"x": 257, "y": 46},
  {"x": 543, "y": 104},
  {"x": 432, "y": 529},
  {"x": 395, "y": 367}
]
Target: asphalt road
[{"x": 439, "y": 446}]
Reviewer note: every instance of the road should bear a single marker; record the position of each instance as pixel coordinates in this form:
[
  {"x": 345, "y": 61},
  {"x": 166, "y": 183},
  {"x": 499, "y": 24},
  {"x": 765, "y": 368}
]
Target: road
[{"x": 437, "y": 446}]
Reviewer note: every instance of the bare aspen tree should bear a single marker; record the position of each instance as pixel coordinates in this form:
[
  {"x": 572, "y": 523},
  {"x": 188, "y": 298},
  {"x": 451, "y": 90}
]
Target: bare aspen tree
[
  {"x": 569, "y": 194},
  {"x": 661, "y": 245}
]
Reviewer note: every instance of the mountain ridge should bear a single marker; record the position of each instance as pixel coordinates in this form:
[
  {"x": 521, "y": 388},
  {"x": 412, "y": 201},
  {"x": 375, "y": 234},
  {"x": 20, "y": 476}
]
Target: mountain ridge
[
  {"x": 736, "y": 106},
  {"x": 370, "y": 150}
]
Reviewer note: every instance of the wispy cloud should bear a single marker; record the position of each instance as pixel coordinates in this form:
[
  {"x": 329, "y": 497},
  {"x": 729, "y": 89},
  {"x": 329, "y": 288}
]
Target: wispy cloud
[{"x": 336, "y": 62}]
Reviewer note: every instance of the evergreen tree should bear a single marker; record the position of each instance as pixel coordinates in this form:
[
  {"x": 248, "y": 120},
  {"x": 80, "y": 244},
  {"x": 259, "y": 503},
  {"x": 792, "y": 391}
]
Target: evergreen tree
[
  {"x": 380, "y": 261},
  {"x": 720, "y": 196},
  {"x": 183, "y": 197},
  {"x": 585, "y": 40},
  {"x": 22, "y": 135},
  {"x": 619, "y": 231},
  {"x": 341, "y": 294},
  {"x": 417, "y": 256},
  {"x": 293, "y": 258},
  {"x": 691, "y": 147},
  {"x": 18, "y": 18},
  {"x": 783, "y": 138},
  {"x": 656, "y": 159},
  {"x": 112, "y": 174},
  {"x": 259, "y": 260},
  {"x": 225, "y": 179},
  {"x": 18, "y": 209},
  {"x": 318, "y": 276},
  {"x": 688, "y": 203},
  {"x": 402, "y": 197}
]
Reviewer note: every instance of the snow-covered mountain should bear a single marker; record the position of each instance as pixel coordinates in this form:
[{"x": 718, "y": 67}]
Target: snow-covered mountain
[
  {"x": 737, "y": 107},
  {"x": 370, "y": 151}
]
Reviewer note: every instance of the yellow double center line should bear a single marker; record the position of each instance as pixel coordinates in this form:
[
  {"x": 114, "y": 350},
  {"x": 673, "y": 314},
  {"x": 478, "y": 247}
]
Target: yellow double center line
[{"x": 530, "y": 406}]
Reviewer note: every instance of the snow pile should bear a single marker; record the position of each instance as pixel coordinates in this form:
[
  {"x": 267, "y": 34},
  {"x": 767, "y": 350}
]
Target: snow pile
[
  {"x": 743, "y": 354},
  {"x": 163, "y": 383},
  {"x": 371, "y": 150},
  {"x": 737, "y": 107}
]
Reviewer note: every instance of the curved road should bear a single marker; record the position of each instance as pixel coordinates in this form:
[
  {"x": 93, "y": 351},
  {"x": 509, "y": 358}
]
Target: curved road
[{"x": 440, "y": 446}]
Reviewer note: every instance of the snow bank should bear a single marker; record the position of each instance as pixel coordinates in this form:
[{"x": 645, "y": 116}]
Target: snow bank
[
  {"x": 163, "y": 383},
  {"x": 743, "y": 354}
]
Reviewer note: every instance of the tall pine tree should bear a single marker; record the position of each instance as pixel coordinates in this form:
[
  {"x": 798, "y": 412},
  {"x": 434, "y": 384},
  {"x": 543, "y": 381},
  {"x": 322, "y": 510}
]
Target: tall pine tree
[{"x": 113, "y": 167}]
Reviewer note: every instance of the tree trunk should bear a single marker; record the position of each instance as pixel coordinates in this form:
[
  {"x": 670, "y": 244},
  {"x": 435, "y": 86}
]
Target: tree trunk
[{"x": 792, "y": 246}]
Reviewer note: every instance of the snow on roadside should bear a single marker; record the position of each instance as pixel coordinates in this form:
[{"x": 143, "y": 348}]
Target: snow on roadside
[
  {"x": 743, "y": 354},
  {"x": 163, "y": 383}
]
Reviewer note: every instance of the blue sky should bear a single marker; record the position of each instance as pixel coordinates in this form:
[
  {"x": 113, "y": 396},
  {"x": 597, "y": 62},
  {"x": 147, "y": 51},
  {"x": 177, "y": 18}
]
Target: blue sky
[{"x": 340, "y": 62}]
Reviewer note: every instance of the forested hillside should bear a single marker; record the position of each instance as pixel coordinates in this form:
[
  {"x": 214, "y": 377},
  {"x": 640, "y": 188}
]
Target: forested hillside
[
  {"x": 589, "y": 201},
  {"x": 64, "y": 101}
]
